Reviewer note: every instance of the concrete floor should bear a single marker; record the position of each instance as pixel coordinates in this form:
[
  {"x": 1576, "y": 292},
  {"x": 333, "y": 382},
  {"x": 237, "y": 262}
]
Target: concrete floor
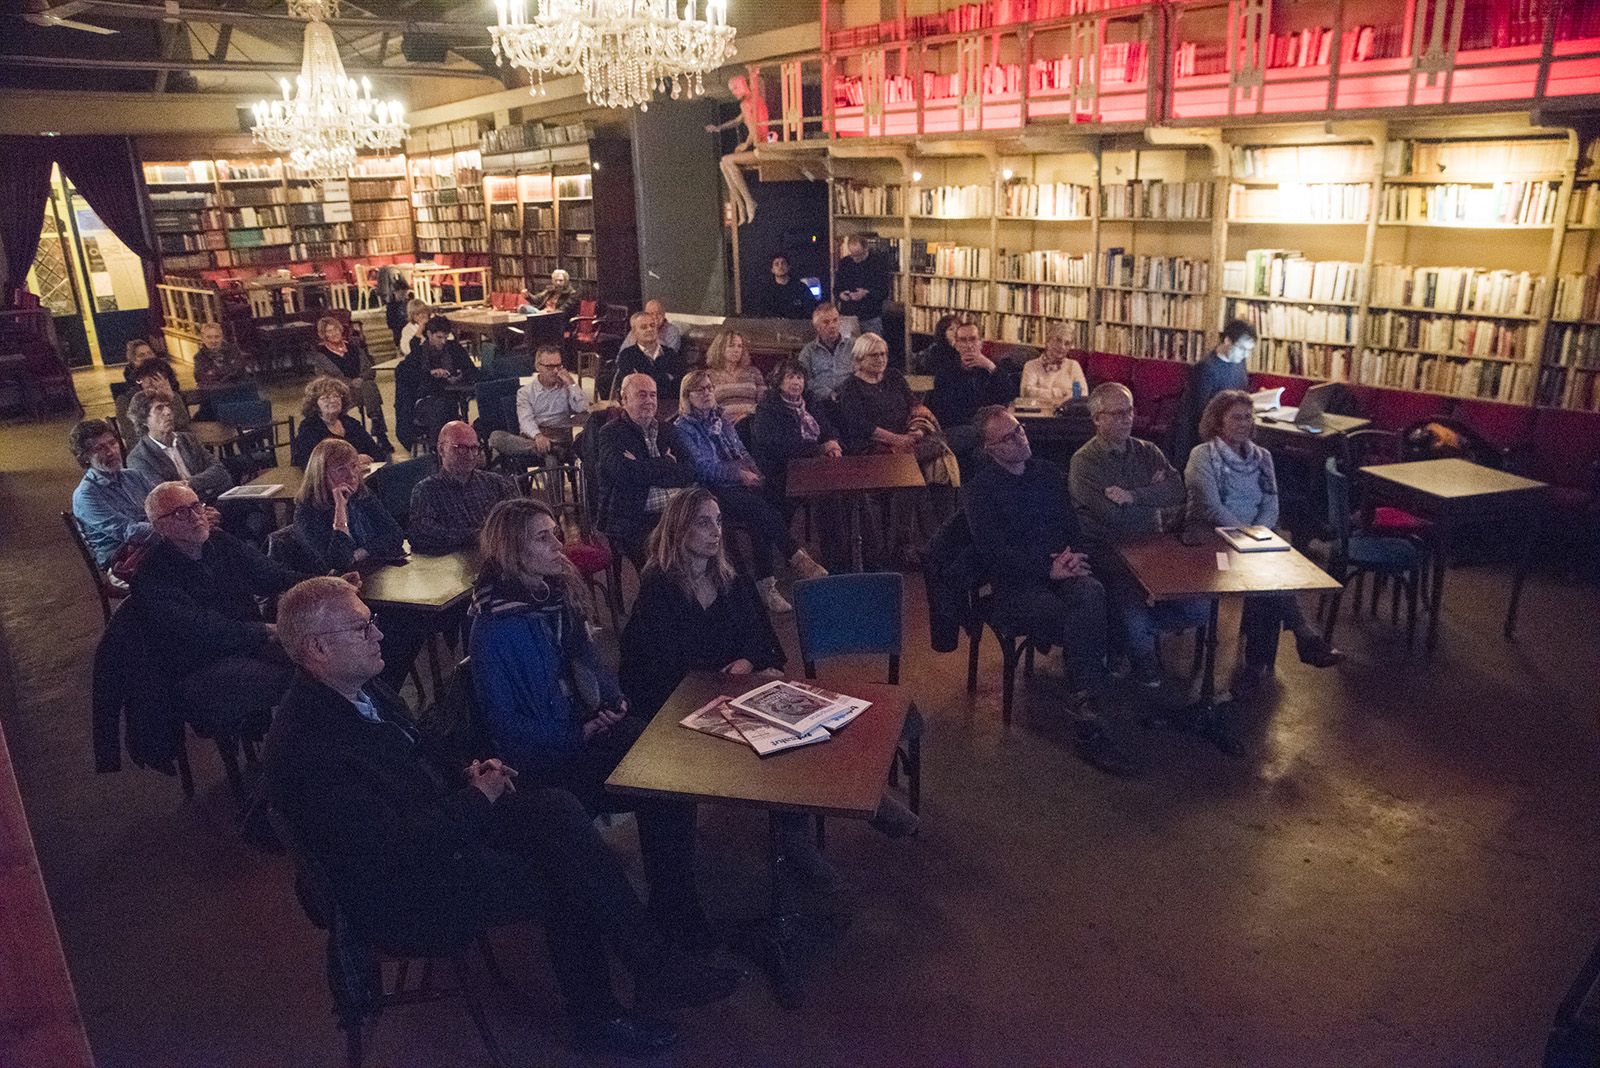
[{"x": 1404, "y": 874}]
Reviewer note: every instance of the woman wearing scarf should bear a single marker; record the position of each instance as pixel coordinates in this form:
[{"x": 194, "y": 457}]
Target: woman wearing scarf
[
  {"x": 725, "y": 466},
  {"x": 347, "y": 359},
  {"x": 554, "y": 712},
  {"x": 786, "y": 428}
]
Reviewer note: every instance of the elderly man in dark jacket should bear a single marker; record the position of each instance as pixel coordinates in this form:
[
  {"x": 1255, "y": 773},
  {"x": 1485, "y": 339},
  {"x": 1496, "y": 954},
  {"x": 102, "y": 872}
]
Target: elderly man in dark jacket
[
  {"x": 642, "y": 463},
  {"x": 423, "y": 861}
]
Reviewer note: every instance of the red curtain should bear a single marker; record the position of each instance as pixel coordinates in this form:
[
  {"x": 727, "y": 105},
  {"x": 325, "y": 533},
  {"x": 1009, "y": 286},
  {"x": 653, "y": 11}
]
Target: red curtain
[
  {"x": 24, "y": 188},
  {"x": 107, "y": 172}
]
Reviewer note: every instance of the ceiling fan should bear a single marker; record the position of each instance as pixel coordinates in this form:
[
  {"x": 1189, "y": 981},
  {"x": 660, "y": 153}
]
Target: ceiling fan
[{"x": 58, "y": 16}]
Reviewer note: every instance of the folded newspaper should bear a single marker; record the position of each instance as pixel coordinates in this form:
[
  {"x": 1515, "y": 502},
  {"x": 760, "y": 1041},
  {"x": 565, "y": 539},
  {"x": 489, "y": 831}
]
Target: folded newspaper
[{"x": 726, "y": 717}]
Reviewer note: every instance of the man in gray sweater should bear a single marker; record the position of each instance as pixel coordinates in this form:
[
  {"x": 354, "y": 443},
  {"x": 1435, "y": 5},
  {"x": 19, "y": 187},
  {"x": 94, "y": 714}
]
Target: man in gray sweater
[{"x": 1120, "y": 486}]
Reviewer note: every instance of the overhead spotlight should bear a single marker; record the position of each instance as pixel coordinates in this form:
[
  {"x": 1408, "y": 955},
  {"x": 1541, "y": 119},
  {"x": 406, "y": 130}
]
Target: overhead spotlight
[{"x": 916, "y": 176}]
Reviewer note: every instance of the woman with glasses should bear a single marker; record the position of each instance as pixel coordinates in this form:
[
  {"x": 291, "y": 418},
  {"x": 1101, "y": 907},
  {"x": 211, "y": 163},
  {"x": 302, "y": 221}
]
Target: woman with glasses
[
  {"x": 555, "y": 712},
  {"x": 323, "y": 415},
  {"x": 1054, "y": 377},
  {"x": 722, "y": 463}
]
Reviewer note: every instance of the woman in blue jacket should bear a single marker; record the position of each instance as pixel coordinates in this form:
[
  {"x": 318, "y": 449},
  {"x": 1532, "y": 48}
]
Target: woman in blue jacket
[
  {"x": 723, "y": 465},
  {"x": 554, "y": 712}
]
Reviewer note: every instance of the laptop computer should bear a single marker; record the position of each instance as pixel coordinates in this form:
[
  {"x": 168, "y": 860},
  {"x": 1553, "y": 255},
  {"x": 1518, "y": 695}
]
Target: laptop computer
[{"x": 1315, "y": 404}]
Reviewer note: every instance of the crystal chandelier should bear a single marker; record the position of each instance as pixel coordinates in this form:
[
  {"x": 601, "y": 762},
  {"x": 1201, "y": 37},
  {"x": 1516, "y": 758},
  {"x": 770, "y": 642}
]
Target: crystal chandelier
[
  {"x": 328, "y": 118},
  {"x": 625, "y": 49}
]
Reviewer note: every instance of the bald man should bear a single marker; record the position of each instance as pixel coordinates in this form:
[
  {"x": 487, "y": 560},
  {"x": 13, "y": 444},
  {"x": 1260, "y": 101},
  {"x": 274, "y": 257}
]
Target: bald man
[
  {"x": 642, "y": 463},
  {"x": 448, "y": 508}
]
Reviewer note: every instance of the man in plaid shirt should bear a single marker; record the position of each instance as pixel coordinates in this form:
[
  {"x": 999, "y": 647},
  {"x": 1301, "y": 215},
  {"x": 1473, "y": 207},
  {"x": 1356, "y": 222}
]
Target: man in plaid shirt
[{"x": 448, "y": 508}]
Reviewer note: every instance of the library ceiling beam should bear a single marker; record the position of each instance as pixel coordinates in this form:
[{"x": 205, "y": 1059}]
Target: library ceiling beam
[{"x": 237, "y": 66}]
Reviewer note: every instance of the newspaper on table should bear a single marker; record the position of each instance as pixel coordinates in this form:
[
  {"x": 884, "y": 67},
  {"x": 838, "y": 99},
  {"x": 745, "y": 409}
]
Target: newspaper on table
[{"x": 722, "y": 718}]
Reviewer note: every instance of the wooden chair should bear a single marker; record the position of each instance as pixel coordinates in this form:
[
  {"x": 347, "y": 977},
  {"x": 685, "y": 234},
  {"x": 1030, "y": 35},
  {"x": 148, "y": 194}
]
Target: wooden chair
[
  {"x": 1354, "y": 552},
  {"x": 110, "y": 593}
]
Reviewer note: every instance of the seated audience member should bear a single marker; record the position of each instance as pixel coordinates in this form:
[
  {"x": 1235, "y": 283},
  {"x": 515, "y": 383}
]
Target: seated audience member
[
  {"x": 218, "y": 362},
  {"x": 973, "y": 381},
  {"x": 642, "y": 464},
  {"x": 1120, "y": 487},
  {"x": 196, "y": 592},
  {"x": 555, "y": 712},
  {"x": 784, "y": 296},
  {"x": 667, "y": 333},
  {"x": 647, "y": 354},
  {"x": 394, "y": 312},
  {"x": 323, "y": 416},
  {"x": 558, "y": 296},
  {"x": 448, "y": 508},
  {"x": 739, "y": 385},
  {"x": 436, "y": 363},
  {"x": 786, "y": 428},
  {"x": 549, "y": 409},
  {"x": 164, "y": 455},
  {"x": 422, "y": 864},
  {"x": 109, "y": 501},
  {"x": 139, "y": 352},
  {"x": 1053, "y": 377},
  {"x": 345, "y": 358},
  {"x": 1027, "y": 535},
  {"x": 154, "y": 376},
  {"x": 1222, "y": 368},
  {"x": 695, "y": 613},
  {"x": 336, "y": 517},
  {"x": 722, "y": 463},
  {"x": 1231, "y": 483},
  {"x": 827, "y": 358},
  {"x": 418, "y": 312},
  {"x": 941, "y": 352}
]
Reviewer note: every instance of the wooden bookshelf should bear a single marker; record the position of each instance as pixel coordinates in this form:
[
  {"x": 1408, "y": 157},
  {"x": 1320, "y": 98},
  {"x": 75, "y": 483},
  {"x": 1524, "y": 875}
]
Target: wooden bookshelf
[{"x": 447, "y": 192}]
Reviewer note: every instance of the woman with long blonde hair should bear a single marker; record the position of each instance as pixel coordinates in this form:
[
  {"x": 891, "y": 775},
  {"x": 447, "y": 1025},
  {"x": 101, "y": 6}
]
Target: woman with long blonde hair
[{"x": 337, "y": 517}]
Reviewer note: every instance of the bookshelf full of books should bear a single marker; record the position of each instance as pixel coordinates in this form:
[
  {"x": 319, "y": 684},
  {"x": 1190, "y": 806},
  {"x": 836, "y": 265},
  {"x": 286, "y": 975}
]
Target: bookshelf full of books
[{"x": 1569, "y": 374}]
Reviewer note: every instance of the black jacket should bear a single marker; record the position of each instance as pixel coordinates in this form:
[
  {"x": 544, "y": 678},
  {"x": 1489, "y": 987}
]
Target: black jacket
[
  {"x": 625, "y": 483},
  {"x": 951, "y": 571},
  {"x": 792, "y": 300},
  {"x": 405, "y": 851},
  {"x": 667, "y": 370},
  {"x": 413, "y": 381},
  {"x": 958, "y": 394},
  {"x": 198, "y": 611},
  {"x": 313, "y": 432},
  {"x": 775, "y": 439},
  {"x": 132, "y": 700}
]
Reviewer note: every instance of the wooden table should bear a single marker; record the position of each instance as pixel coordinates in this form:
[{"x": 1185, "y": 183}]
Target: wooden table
[
  {"x": 1278, "y": 425},
  {"x": 214, "y": 436},
  {"x": 429, "y": 584},
  {"x": 508, "y": 330},
  {"x": 1169, "y": 570},
  {"x": 1451, "y": 493},
  {"x": 1054, "y": 437},
  {"x": 854, "y": 477},
  {"x": 842, "y": 777}
]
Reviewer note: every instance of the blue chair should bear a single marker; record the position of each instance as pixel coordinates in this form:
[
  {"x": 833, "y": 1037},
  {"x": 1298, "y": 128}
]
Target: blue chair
[
  {"x": 841, "y": 615},
  {"x": 394, "y": 482},
  {"x": 490, "y": 395},
  {"x": 1353, "y": 552}
]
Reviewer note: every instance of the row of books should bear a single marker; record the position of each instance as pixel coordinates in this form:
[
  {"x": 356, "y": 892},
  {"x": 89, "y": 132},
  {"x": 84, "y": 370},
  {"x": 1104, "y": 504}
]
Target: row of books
[
  {"x": 1458, "y": 378},
  {"x": 953, "y": 201},
  {"x": 1300, "y": 163},
  {"x": 1310, "y": 47},
  {"x": 472, "y": 244},
  {"x": 253, "y": 257},
  {"x": 1151, "y": 309},
  {"x": 425, "y": 197},
  {"x": 428, "y": 230},
  {"x": 1279, "y": 356},
  {"x": 1185, "y": 346},
  {"x": 1045, "y": 265},
  {"x": 1296, "y": 322},
  {"x": 398, "y": 228},
  {"x": 1055, "y": 303},
  {"x": 530, "y": 135},
  {"x": 503, "y": 217},
  {"x": 1199, "y": 58},
  {"x": 375, "y": 189},
  {"x": 994, "y": 79},
  {"x": 1121, "y": 63},
  {"x": 180, "y": 200},
  {"x": 1366, "y": 41},
  {"x": 1119, "y": 268},
  {"x": 394, "y": 209},
  {"x": 1316, "y": 202},
  {"x": 220, "y": 219},
  {"x": 1573, "y": 345},
  {"x": 1049, "y": 200},
  {"x": 949, "y": 259},
  {"x": 1452, "y": 336},
  {"x": 1583, "y": 209},
  {"x": 1457, "y": 289},
  {"x": 922, "y": 319},
  {"x": 1288, "y": 274},
  {"x": 197, "y": 241},
  {"x": 1561, "y": 387},
  {"x": 1504, "y": 203},
  {"x": 1488, "y": 160},
  {"x": 255, "y": 238},
  {"x": 1031, "y": 330},
  {"x": 967, "y": 18},
  {"x": 952, "y": 293},
  {"x": 369, "y": 246},
  {"x": 1578, "y": 296},
  {"x": 577, "y": 217},
  {"x": 461, "y": 134},
  {"x": 574, "y": 186},
  {"x": 858, "y": 198},
  {"x": 256, "y": 196},
  {"x": 1156, "y": 199},
  {"x": 1503, "y": 24},
  {"x": 448, "y": 213}
]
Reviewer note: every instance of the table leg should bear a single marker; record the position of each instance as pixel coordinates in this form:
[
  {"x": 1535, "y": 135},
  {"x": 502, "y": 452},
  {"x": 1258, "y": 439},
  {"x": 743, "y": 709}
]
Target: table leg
[
  {"x": 782, "y": 941},
  {"x": 857, "y": 562},
  {"x": 1206, "y": 717},
  {"x": 1524, "y": 560},
  {"x": 1441, "y": 546},
  {"x": 433, "y": 664},
  {"x": 1208, "y": 680}
]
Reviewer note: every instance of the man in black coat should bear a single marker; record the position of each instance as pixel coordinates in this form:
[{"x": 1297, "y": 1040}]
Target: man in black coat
[
  {"x": 641, "y": 463},
  {"x": 784, "y": 297},
  {"x": 652, "y": 356},
  {"x": 423, "y": 866}
]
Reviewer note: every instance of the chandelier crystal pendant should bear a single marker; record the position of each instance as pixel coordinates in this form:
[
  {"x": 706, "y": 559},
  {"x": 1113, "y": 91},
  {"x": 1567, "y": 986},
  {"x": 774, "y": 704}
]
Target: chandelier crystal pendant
[
  {"x": 327, "y": 118},
  {"x": 625, "y": 49}
]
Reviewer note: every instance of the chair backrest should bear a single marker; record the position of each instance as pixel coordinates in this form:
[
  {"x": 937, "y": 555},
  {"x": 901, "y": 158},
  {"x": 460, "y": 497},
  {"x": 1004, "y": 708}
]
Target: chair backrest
[
  {"x": 284, "y": 547},
  {"x": 489, "y": 394},
  {"x": 564, "y": 490},
  {"x": 844, "y": 614},
  {"x": 431, "y": 414},
  {"x": 455, "y": 726},
  {"x": 394, "y": 482},
  {"x": 102, "y": 585},
  {"x": 1338, "y": 503},
  {"x": 244, "y": 412}
]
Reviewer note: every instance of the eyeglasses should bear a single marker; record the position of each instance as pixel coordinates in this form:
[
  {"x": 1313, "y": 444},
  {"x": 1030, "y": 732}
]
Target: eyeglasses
[
  {"x": 550, "y": 367},
  {"x": 364, "y": 628},
  {"x": 189, "y": 511},
  {"x": 708, "y": 388}
]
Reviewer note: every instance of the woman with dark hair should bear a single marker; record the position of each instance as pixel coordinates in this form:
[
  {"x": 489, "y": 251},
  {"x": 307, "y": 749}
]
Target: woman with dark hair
[
  {"x": 323, "y": 415},
  {"x": 554, "y": 712},
  {"x": 345, "y": 357},
  {"x": 137, "y": 353},
  {"x": 436, "y": 362},
  {"x": 786, "y": 428},
  {"x": 1231, "y": 483},
  {"x": 941, "y": 354}
]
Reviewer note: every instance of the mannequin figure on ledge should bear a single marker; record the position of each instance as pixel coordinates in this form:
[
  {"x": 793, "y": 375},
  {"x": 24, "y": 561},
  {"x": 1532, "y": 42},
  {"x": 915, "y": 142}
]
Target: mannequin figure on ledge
[{"x": 753, "y": 115}]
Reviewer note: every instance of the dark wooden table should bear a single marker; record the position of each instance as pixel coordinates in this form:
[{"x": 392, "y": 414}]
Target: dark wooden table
[
  {"x": 508, "y": 330},
  {"x": 841, "y": 777},
  {"x": 1277, "y": 427},
  {"x": 1053, "y": 437},
  {"x": 854, "y": 477},
  {"x": 214, "y": 436},
  {"x": 429, "y": 584},
  {"x": 1169, "y": 570},
  {"x": 1452, "y": 493}
]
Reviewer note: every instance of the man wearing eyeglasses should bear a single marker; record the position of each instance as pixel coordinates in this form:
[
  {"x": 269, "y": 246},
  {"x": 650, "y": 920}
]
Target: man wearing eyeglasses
[
  {"x": 548, "y": 410},
  {"x": 448, "y": 508},
  {"x": 196, "y": 592},
  {"x": 1120, "y": 487},
  {"x": 1024, "y": 529}
]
